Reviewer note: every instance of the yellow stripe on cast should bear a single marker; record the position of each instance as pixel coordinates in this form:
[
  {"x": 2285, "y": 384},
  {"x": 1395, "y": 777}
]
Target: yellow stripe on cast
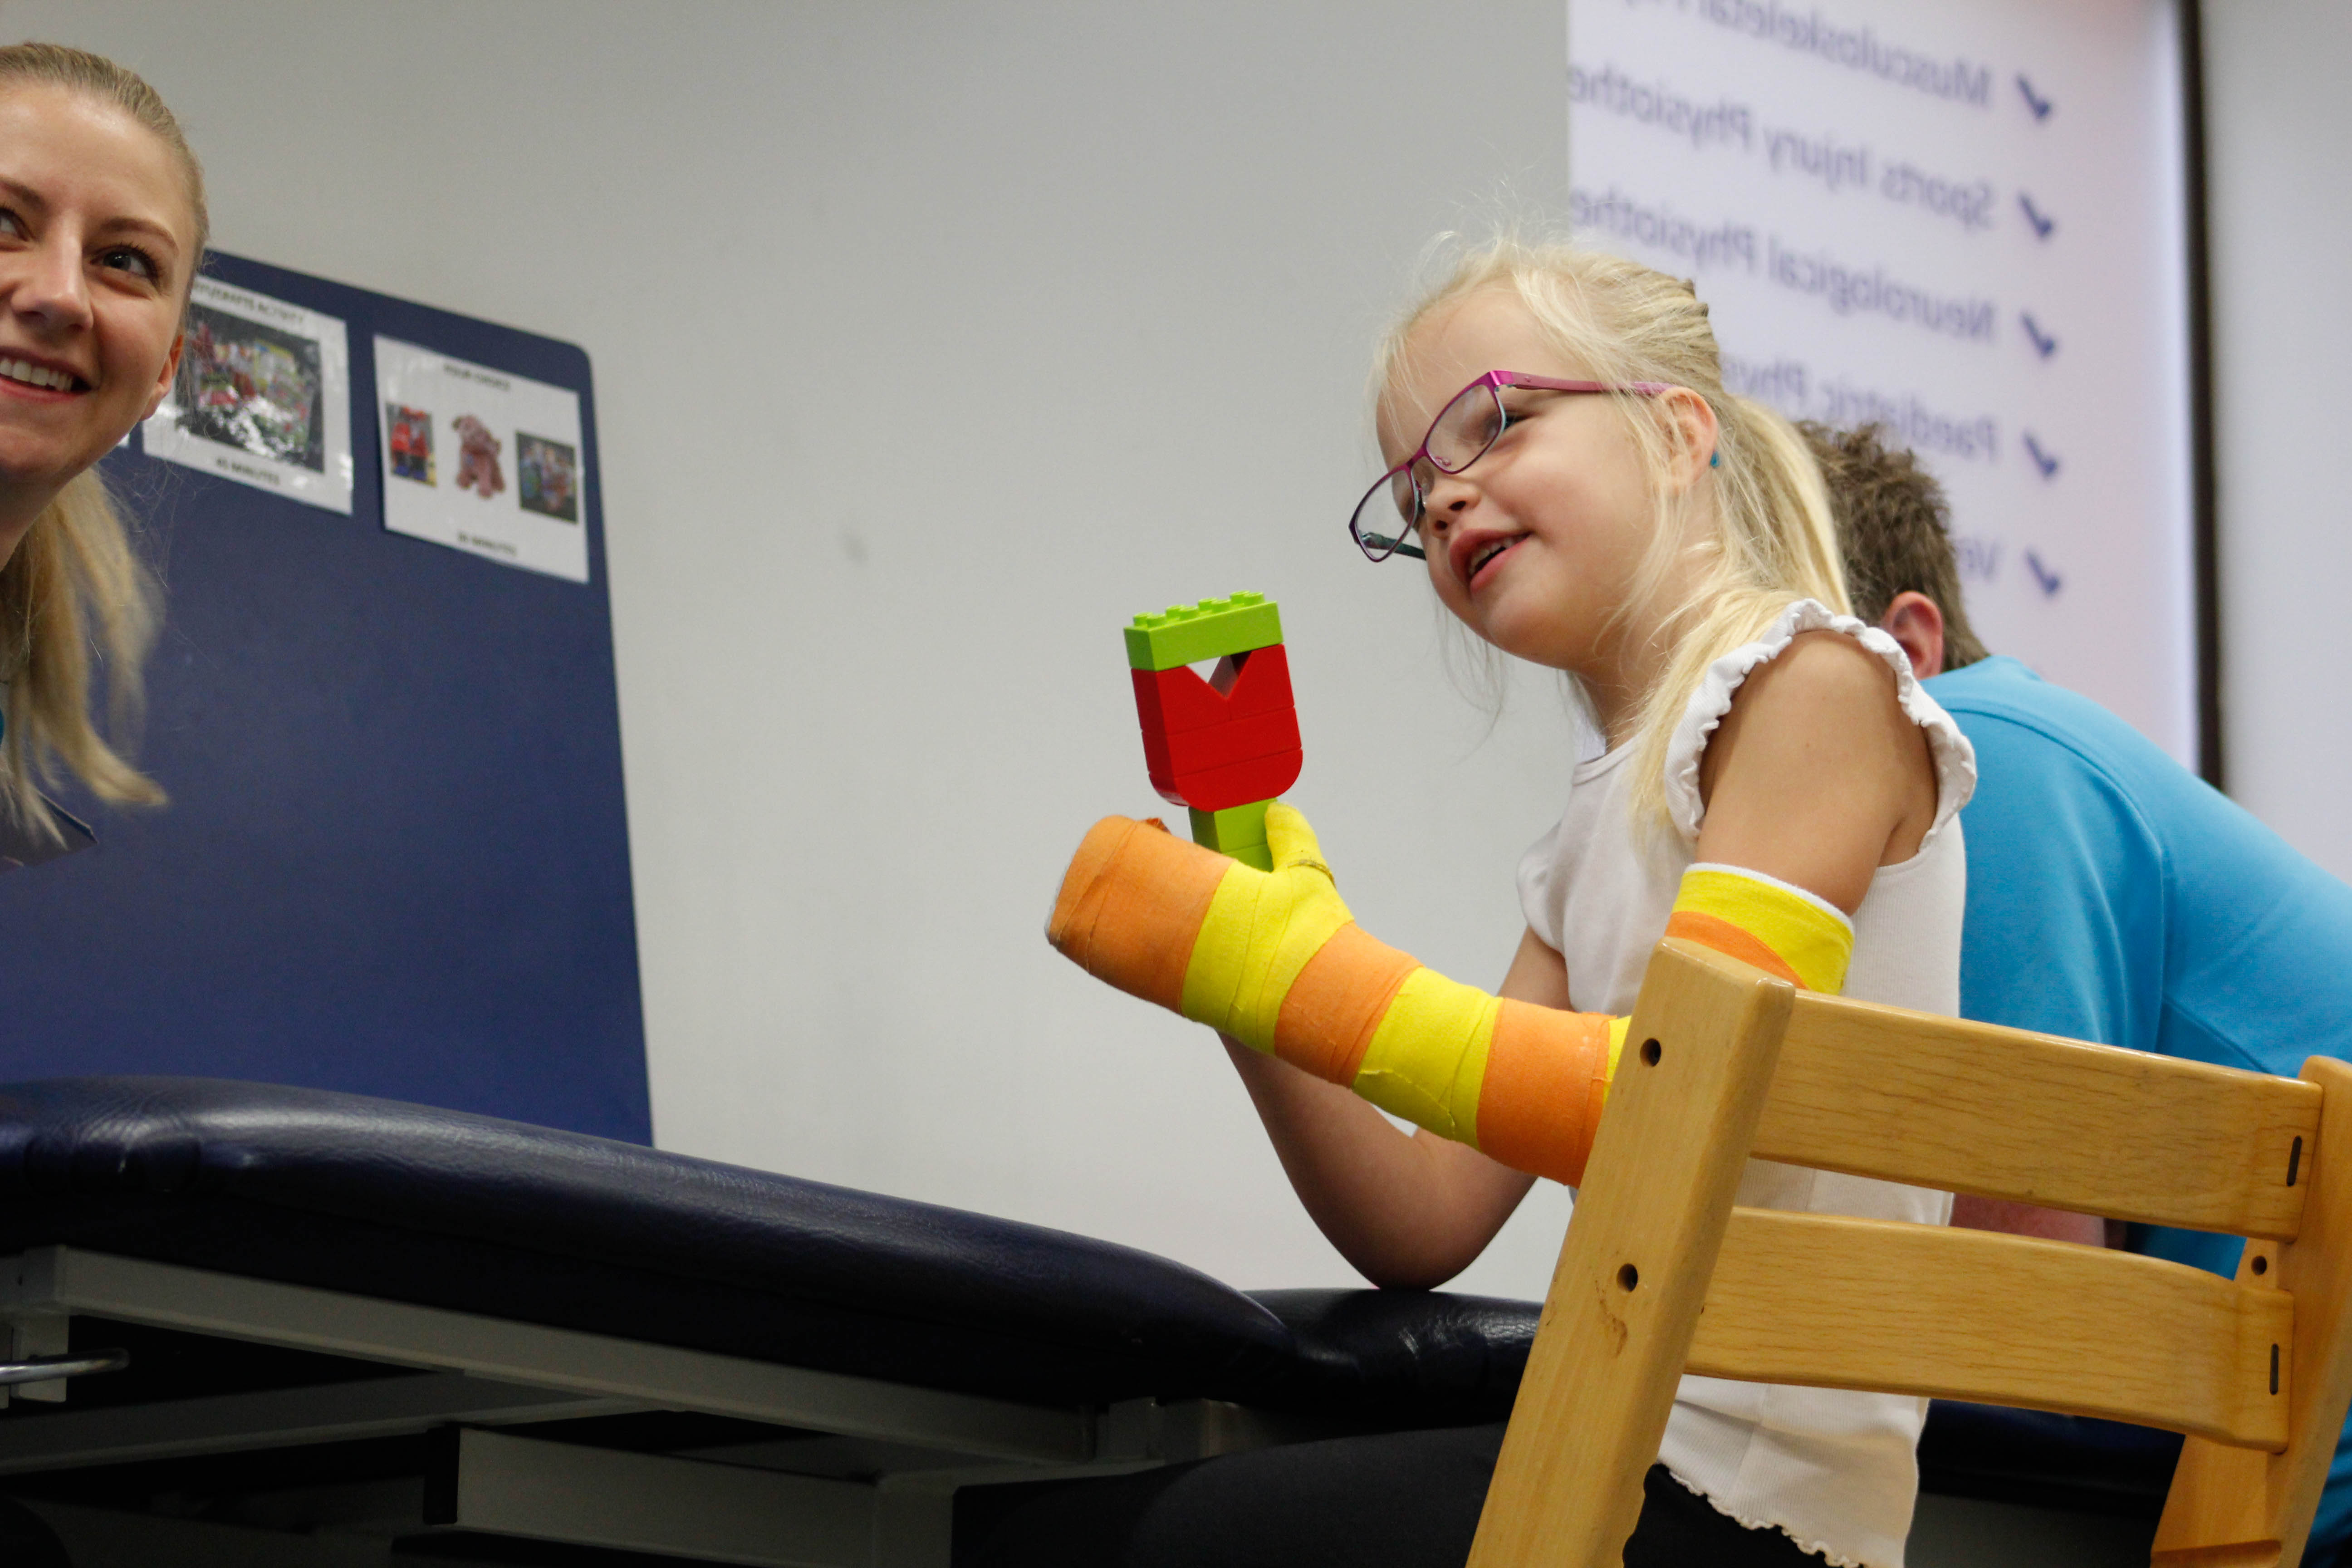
[
  {"x": 1249, "y": 951},
  {"x": 1428, "y": 1059},
  {"x": 1800, "y": 935}
]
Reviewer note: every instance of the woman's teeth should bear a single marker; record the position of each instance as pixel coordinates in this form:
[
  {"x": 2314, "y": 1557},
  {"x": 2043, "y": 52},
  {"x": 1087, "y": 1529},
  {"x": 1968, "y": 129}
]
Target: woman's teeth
[
  {"x": 33, "y": 375},
  {"x": 1488, "y": 553}
]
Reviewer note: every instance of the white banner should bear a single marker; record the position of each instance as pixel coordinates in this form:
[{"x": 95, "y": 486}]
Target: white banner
[{"x": 1965, "y": 223}]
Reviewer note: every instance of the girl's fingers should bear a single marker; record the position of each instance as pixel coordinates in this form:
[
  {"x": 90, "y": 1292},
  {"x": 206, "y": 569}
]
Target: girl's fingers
[{"x": 1290, "y": 841}]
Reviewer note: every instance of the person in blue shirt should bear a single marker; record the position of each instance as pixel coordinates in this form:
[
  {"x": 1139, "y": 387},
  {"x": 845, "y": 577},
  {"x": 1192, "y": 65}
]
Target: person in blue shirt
[{"x": 2113, "y": 895}]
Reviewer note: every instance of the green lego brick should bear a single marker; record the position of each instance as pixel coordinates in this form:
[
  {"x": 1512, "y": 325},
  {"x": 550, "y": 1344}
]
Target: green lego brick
[
  {"x": 1188, "y": 634},
  {"x": 1238, "y": 831}
]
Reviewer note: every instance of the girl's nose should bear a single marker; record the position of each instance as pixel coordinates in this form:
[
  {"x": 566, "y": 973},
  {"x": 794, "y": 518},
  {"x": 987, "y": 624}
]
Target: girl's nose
[{"x": 1448, "y": 497}]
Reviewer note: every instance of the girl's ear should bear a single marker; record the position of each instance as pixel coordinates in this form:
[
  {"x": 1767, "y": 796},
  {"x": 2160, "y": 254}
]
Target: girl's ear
[{"x": 1692, "y": 434}]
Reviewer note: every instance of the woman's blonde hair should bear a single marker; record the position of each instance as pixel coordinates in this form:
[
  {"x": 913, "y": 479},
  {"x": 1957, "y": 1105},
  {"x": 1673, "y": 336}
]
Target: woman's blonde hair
[
  {"x": 74, "y": 585},
  {"x": 74, "y": 582},
  {"x": 78, "y": 70},
  {"x": 1773, "y": 539}
]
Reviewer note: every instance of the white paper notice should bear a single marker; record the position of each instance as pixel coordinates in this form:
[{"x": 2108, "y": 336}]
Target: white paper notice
[
  {"x": 481, "y": 460},
  {"x": 1963, "y": 222},
  {"x": 263, "y": 396}
]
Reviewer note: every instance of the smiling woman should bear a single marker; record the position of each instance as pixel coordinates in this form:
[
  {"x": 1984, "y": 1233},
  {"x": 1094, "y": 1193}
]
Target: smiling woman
[{"x": 103, "y": 225}]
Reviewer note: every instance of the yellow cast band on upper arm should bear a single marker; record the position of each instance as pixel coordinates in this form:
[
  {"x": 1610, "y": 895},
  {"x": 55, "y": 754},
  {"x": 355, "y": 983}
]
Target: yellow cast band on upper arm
[
  {"x": 1760, "y": 920},
  {"x": 1427, "y": 1060},
  {"x": 1251, "y": 946}
]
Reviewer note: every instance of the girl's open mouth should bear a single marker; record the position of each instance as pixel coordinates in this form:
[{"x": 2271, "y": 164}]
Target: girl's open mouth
[{"x": 1489, "y": 553}]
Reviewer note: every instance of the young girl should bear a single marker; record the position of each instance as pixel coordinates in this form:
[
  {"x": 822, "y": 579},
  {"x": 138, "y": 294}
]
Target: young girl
[
  {"x": 1584, "y": 494},
  {"x": 102, "y": 228}
]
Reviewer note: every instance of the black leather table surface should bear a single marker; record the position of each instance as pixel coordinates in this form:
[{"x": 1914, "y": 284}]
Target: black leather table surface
[{"x": 442, "y": 1208}]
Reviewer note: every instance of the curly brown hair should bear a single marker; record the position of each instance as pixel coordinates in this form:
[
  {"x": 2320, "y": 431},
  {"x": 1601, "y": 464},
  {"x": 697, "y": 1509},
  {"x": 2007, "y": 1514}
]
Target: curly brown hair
[{"x": 1894, "y": 528}]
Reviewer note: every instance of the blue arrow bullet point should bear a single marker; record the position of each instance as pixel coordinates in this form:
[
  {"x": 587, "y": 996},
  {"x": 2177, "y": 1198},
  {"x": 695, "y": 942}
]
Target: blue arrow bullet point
[
  {"x": 2040, "y": 106},
  {"x": 2049, "y": 582},
  {"x": 2042, "y": 459},
  {"x": 2041, "y": 226},
  {"x": 2043, "y": 343}
]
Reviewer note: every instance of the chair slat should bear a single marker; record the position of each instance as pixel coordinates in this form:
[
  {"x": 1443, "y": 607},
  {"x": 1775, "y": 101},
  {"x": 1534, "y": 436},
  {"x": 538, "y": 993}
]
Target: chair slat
[
  {"x": 2225, "y": 1501},
  {"x": 1910, "y": 1097},
  {"x": 1853, "y": 1303},
  {"x": 1632, "y": 1272}
]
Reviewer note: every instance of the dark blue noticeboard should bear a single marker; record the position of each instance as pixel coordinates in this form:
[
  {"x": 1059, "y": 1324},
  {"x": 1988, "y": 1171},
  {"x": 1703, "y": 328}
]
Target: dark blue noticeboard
[{"x": 396, "y": 856}]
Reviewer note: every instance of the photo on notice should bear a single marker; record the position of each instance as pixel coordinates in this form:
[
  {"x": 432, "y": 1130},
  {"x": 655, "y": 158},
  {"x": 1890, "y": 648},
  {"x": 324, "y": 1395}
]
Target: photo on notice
[
  {"x": 482, "y": 460},
  {"x": 548, "y": 472},
  {"x": 262, "y": 396}
]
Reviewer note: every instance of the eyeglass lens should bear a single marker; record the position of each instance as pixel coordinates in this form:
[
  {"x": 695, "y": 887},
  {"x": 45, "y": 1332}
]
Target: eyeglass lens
[
  {"x": 1458, "y": 437},
  {"x": 1465, "y": 428}
]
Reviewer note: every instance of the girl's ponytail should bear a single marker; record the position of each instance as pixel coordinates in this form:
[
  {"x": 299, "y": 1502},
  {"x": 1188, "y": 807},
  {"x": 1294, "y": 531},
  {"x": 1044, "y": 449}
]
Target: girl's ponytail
[{"x": 1776, "y": 543}]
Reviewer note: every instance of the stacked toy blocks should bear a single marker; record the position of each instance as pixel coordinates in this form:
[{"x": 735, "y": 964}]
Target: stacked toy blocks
[{"x": 1225, "y": 746}]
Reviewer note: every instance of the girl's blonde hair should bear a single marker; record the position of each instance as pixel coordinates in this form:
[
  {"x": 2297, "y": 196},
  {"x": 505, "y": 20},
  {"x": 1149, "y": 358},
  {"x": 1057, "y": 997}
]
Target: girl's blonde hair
[
  {"x": 1773, "y": 540},
  {"x": 75, "y": 584}
]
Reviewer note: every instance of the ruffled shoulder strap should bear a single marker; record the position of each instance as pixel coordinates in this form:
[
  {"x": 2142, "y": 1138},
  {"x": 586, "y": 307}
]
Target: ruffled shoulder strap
[{"x": 1956, "y": 760}]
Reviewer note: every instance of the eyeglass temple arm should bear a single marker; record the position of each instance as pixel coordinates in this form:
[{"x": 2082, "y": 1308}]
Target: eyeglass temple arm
[{"x": 1396, "y": 546}]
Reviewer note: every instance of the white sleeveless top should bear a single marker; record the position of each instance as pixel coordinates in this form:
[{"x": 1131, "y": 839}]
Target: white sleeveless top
[{"x": 1836, "y": 1470}]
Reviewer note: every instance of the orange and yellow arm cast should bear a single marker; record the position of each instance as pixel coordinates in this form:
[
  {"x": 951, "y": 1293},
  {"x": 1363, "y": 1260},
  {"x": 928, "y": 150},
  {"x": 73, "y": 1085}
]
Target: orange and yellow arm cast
[{"x": 1274, "y": 960}]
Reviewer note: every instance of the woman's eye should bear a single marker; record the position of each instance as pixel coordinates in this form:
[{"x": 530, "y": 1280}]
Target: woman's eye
[
  {"x": 10, "y": 224},
  {"x": 130, "y": 258}
]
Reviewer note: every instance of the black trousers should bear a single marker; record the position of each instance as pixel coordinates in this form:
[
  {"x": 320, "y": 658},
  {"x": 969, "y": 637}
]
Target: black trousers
[{"x": 1408, "y": 1500}]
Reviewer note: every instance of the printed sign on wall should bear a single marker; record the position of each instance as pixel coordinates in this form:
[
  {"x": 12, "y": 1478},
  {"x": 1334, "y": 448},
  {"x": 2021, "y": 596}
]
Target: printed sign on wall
[
  {"x": 263, "y": 396},
  {"x": 481, "y": 459},
  {"x": 1964, "y": 223}
]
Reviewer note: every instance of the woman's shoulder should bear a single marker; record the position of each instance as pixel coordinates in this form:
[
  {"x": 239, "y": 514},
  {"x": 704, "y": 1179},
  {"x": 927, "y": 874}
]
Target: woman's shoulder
[{"x": 1819, "y": 661}]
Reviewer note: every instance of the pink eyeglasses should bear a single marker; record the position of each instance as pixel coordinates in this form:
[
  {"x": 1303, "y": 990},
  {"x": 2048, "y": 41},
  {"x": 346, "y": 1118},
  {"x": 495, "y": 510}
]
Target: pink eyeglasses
[{"x": 1460, "y": 435}]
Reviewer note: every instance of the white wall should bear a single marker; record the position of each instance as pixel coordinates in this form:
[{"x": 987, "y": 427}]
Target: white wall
[
  {"x": 931, "y": 342},
  {"x": 2278, "y": 129}
]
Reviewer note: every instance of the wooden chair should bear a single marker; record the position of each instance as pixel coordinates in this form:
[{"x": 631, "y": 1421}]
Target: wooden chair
[{"x": 1724, "y": 1062}]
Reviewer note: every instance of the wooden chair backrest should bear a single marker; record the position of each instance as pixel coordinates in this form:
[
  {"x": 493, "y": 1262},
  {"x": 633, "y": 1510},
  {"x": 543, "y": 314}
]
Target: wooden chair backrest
[{"x": 1724, "y": 1062}]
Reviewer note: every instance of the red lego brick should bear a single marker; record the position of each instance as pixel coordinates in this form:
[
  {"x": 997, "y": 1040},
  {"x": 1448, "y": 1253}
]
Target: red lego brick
[
  {"x": 1262, "y": 735},
  {"x": 1193, "y": 729},
  {"x": 1246, "y": 685},
  {"x": 1178, "y": 757},
  {"x": 1237, "y": 783},
  {"x": 1157, "y": 762}
]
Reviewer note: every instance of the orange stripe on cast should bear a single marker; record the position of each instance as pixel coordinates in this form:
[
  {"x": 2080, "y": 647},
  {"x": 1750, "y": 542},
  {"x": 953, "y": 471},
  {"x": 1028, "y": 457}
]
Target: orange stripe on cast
[
  {"x": 1332, "y": 1009},
  {"x": 1731, "y": 941},
  {"x": 1131, "y": 906},
  {"x": 1547, "y": 1072}
]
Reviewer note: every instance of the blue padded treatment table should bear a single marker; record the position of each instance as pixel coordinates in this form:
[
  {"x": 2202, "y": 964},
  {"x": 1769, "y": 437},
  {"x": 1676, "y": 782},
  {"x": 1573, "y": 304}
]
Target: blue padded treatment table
[{"x": 535, "y": 1322}]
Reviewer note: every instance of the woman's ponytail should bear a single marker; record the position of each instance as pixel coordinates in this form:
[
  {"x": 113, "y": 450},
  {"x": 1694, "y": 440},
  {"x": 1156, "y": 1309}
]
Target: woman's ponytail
[{"x": 74, "y": 589}]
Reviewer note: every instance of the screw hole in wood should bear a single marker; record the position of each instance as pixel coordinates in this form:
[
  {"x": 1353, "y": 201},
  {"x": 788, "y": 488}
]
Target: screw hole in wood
[
  {"x": 1650, "y": 1053},
  {"x": 1629, "y": 1277},
  {"x": 2262, "y": 1264}
]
